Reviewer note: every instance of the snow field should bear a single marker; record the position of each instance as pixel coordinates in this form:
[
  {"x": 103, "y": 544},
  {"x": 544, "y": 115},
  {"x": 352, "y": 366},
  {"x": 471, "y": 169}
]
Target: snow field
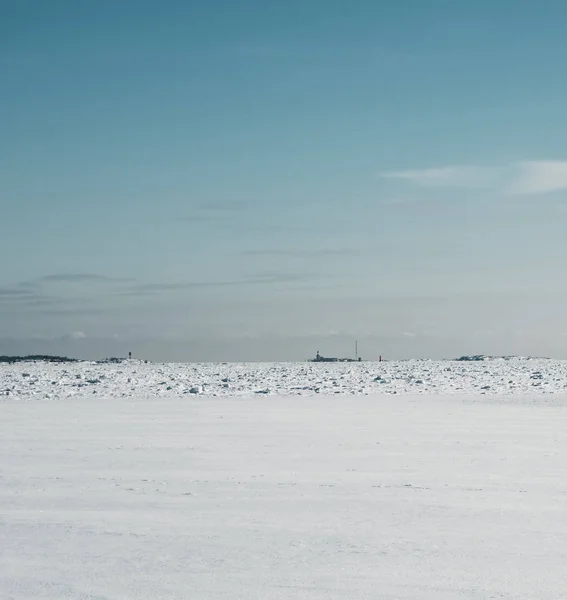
[{"x": 272, "y": 498}]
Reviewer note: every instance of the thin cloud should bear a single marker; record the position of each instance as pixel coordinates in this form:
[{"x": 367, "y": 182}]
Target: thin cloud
[
  {"x": 76, "y": 335},
  {"x": 80, "y": 277},
  {"x": 37, "y": 301},
  {"x": 539, "y": 177},
  {"x": 517, "y": 178},
  {"x": 458, "y": 176},
  {"x": 51, "y": 291},
  {"x": 224, "y": 206},
  {"x": 214, "y": 211},
  {"x": 22, "y": 296},
  {"x": 159, "y": 287},
  {"x": 266, "y": 278},
  {"x": 199, "y": 218},
  {"x": 32, "y": 286},
  {"x": 15, "y": 293},
  {"x": 301, "y": 253},
  {"x": 71, "y": 310},
  {"x": 314, "y": 226},
  {"x": 277, "y": 277}
]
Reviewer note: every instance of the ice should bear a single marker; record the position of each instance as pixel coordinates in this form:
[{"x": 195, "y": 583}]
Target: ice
[
  {"x": 138, "y": 492},
  {"x": 496, "y": 377}
]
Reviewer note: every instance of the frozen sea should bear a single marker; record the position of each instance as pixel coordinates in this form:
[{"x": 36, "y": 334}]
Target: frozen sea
[{"x": 411, "y": 480}]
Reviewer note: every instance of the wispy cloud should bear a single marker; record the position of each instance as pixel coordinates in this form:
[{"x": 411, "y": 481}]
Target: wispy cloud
[
  {"x": 31, "y": 286},
  {"x": 539, "y": 177},
  {"x": 155, "y": 288},
  {"x": 298, "y": 253},
  {"x": 15, "y": 293},
  {"x": 518, "y": 178},
  {"x": 76, "y": 335},
  {"x": 80, "y": 278},
  {"x": 59, "y": 290},
  {"x": 201, "y": 218},
  {"x": 266, "y": 278},
  {"x": 224, "y": 206},
  {"x": 451, "y": 176},
  {"x": 215, "y": 211},
  {"x": 65, "y": 310}
]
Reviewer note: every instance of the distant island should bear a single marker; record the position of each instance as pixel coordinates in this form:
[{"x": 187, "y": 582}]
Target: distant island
[
  {"x": 53, "y": 359},
  {"x": 37, "y": 358}
]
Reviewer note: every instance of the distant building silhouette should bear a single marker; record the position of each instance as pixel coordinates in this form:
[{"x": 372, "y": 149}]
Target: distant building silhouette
[{"x": 320, "y": 358}]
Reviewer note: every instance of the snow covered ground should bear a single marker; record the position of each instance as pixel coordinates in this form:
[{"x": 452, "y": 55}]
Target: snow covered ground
[
  {"x": 125, "y": 490},
  {"x": 516, "y": 376}
]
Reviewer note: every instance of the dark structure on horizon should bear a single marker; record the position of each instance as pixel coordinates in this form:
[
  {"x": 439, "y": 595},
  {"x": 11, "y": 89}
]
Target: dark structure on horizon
[
  {"x": 319, "y": 358},
  {"x": 37, "y": 358}
]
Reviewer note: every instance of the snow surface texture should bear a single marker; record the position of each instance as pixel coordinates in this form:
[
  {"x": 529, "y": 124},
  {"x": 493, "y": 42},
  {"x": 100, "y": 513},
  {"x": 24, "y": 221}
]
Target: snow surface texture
[
  {"x": 132, "y": 378},
  {"x": 164, "y": 495}
]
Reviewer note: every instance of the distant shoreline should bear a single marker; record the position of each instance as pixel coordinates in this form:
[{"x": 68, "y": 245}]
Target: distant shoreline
[
  {"x": 52, "y": 359},
  {"x": 8, "y": 359}
]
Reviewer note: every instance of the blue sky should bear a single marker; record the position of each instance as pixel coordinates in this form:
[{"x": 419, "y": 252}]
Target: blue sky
[{"x": 256, "y": 180}]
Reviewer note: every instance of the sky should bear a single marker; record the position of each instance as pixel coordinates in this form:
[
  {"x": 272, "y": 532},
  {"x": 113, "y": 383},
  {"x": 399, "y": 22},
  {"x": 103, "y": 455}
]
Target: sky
[{"x": 259, "y": 180}]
